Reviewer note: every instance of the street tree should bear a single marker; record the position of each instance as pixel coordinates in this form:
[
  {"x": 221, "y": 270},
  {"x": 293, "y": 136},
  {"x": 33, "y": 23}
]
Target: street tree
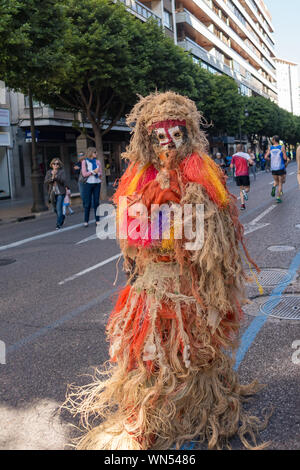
[
  {"x": 111, "y": 57},
  {"x": 266, "y": 118},
  {"x": 30, "y": 36},
  {"x": 223, "y": 105}
]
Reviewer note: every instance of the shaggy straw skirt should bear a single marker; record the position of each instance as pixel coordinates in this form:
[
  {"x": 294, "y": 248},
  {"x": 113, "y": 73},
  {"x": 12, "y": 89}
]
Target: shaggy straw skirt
[{"x": 170, "y": 378}]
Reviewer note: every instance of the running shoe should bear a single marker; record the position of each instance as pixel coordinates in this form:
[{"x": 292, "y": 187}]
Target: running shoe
[
  {"x": 279, "y": 200},
  {"x": 273, "y": 192},
  {"x": 243, "y": 207}
]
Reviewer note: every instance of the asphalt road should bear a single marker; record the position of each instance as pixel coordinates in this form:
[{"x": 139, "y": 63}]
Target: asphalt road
[{"x": 54, "y": 307}]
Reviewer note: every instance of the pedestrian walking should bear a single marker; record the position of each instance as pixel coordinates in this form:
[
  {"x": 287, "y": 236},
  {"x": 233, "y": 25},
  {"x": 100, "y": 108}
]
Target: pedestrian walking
[
  {"x": 90, "y": 177},
  {"x": 55, "y": 179},
  {"x": 262, "y": 161},
  {"x": 67, "y": 202},
  {"x": 77, "y": 170},
  {"x": 220, "y": 161},
  {"x": 276, "y": 154},
  {"x": 298, "y": 164},
  {"x": 252, "y": 167},
  {"x": 241, "y": 161}
]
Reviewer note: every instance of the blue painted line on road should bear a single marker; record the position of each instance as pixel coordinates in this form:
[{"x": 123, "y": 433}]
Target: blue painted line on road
[
  {"x": 259, "y": 321},
  {"x": 46, "y": 329}
]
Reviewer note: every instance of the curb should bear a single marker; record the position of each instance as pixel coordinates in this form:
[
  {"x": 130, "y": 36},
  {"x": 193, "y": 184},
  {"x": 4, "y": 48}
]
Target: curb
[{"x": 24, "y": 218}]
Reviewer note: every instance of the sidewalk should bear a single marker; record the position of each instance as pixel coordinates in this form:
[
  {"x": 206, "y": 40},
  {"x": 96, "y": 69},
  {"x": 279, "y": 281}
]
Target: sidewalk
[{"x": 19, "y": 210}]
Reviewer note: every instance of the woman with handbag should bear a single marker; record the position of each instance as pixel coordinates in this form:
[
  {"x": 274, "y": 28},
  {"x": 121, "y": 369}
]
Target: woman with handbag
[
  {"x": 55, "y": 179},
  {"x": 90, "y": 176}
]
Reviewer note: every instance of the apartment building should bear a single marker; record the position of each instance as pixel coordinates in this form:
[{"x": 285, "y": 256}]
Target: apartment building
[
  {"x": 233, "y": 37},
  {"x": 7, "y": 189},
  {"x": 288, "y": 85}
]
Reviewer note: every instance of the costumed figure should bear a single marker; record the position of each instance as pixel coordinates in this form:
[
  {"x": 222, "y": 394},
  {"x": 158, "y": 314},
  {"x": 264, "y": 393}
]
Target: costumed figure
[{"x": 175, "y": 325}]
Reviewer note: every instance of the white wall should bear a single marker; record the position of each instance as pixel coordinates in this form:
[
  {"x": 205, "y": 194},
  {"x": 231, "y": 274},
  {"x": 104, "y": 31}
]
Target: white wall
[
  {"x": 4, "y": 179},
  {"x": 288, "y": 87}
]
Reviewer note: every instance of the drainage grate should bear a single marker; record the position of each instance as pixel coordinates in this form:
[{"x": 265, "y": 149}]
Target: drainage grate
[
  {"x": 270, "y": 277},
  {"x": 6, "y": 261},
  {"x": 288, "y": 308}
]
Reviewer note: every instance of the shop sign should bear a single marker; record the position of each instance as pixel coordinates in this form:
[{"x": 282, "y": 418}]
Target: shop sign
[
  {"x": 4, "y": 117},
  {"x": 4, "y": 139},
  {"x": 28, "y": 137}
]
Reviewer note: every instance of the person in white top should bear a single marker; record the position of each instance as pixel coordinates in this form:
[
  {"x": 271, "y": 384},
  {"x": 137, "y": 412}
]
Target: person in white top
[{"x": 91, "y": 173}]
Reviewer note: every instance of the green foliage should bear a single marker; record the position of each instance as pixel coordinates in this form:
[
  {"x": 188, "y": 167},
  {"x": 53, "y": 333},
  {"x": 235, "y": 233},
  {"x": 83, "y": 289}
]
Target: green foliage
[
  {"x": 112, "y": 57},
  {"x": 223, "y": 105},
  {"x": 30, "y": 38},
  {"x": 266, "y": 118},
  {"x": 95, "y": 57}
]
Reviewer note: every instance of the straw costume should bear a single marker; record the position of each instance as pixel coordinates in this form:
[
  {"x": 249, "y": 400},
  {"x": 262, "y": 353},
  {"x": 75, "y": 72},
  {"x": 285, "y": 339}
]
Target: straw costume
[{"x": 176, "y": 323}]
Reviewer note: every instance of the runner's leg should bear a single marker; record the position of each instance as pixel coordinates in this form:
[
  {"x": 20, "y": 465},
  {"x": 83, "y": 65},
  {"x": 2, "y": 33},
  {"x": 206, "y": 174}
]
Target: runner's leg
[
  {"x": 280, "y": 185},
  {"x": 242, "y": 195},
  {"x": 275, "y": 184}
]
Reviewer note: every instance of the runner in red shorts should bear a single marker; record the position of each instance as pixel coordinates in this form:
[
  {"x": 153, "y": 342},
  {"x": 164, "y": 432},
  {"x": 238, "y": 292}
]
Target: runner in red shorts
[{"x": 241, "y": 162}]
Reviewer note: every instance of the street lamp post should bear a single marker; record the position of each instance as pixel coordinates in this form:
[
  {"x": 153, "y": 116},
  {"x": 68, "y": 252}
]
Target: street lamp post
[{"x": 246, "y": 114}]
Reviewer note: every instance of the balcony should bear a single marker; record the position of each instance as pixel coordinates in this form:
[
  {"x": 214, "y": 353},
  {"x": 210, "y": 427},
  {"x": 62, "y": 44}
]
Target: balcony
[
  {"x": 206, "y": 37},
  {"x": 208, "y": 58},
  {"x": 242, "y": 47},
  {"x": 246, "y": 24},
  {"x": 140, "y": 11},
  {"x": 199, "y": 52}
]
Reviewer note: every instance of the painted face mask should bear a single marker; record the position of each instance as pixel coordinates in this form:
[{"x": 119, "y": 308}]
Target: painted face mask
[{"x": 168, "y": 135}]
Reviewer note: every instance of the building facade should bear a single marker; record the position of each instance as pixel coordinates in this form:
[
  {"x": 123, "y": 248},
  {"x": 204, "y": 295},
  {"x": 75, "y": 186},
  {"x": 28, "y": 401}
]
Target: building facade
[
  {"x": 232, "y": 37},
  {"x": 288, "y": 85},
  {"x": 7, "y": 187},
  {"x": 55, "y": 138}
]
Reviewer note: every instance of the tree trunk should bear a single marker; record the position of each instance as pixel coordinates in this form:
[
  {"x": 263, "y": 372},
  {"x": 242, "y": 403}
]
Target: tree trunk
[
  {"x": 99, "y": 147},
  {"x": 37, "y": 179}
]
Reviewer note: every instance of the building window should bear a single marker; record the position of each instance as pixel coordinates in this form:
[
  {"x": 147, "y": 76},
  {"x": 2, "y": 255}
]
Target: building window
[
  {"x": 36, "y": 104},
  {"x": 168, "y": 19}
]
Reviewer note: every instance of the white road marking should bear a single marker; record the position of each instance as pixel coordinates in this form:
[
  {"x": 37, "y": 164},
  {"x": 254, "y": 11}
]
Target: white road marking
[
  {"x": 290, "y": 174},
  {"x": 88, "y": 270},
  {"x": 94, "y": 236},
  {"x": 262, "y": 215},
  {"x": 39, "y": 237},
  {"x": 254, "y": 225},
  {"x": 253, "y": 228}
]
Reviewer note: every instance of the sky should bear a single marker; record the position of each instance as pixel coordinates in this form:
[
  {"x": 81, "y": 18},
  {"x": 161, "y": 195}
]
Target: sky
[{"x": 285, "y": 18}]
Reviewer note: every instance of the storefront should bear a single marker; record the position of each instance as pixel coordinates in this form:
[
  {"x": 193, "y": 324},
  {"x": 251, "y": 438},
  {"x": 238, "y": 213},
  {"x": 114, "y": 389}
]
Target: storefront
[
  {"x": 53, "y": 142},
  {"x": 5, "y": 144}
]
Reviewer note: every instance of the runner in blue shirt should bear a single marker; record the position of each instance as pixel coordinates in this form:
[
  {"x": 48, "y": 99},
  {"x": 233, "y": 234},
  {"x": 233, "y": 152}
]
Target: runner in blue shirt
[{"x": 277, "y": 154}]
